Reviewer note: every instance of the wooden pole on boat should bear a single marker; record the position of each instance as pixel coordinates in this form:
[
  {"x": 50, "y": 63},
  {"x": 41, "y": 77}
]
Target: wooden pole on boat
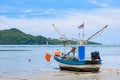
[
  {"x": 83, "y": 36},
  {"x": 97, "y": 32},
  {"x": 61, "y": 34},
  {"x": 79, "y": 39}
]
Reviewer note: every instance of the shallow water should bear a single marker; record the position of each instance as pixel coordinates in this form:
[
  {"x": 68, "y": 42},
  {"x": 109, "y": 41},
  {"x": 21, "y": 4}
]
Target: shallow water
[{"x": 23, "y": 60}]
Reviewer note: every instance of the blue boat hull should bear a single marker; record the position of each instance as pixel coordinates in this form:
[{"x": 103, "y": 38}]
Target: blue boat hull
[{"x": 85, "y": 65}]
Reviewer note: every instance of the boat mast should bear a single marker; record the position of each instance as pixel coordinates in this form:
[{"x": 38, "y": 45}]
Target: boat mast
[{"x": 81, "y": 41}]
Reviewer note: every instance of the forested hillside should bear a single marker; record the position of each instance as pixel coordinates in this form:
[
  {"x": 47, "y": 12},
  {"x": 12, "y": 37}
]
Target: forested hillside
[{"x": 14, "y": 36}]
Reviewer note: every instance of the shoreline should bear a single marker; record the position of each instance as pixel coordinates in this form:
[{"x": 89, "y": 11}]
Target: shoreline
[{"x": 103, "y": 74}]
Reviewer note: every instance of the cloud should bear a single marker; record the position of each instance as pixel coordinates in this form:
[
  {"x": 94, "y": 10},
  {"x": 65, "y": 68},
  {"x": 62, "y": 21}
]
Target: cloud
[
  {"x": 30, "y": 13},
  {"x": 27, "y": 11},
  {"x": 68, "y": 22},
  {"x": 98, "y": 3},
  {"x": 4, "y": 11}
]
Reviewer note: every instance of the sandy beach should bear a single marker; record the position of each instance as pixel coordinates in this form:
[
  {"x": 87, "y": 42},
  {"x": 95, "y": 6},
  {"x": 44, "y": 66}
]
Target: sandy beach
[{"x": 103, "y": 74}]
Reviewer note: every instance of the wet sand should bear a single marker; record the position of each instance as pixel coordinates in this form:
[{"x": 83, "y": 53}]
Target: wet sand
[{"x": 103, "y": 74}]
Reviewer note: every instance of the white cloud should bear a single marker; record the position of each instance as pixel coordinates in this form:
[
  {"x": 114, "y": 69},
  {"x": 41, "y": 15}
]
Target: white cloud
[
  {"x": 67, "y": 23},
  {"x": 94, "y": 2},
  {"x": 41, "y": 11},
  {"x": 27, "y": 11},
  {"x": 98, "y": 3},
  {"x": 4, "y": 11}
]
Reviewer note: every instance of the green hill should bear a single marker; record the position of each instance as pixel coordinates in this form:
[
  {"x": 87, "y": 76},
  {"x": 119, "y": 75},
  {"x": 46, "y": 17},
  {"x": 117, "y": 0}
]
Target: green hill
[{"x": 14, "y": 36}]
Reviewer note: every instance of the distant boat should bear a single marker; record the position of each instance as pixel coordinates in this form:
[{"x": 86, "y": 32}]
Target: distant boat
[
  {"x": 47, "y": 43},
  {"x": 78, "y": 63}
]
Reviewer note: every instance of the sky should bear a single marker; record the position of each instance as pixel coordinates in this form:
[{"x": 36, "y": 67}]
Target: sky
[{"x": 36, "y": 17}]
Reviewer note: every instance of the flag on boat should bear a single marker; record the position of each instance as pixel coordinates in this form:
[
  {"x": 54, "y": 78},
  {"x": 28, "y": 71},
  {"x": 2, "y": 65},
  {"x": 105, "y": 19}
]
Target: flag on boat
[
  {"x": 48, "y": 57},
  {"x": 81, "y": 26}
]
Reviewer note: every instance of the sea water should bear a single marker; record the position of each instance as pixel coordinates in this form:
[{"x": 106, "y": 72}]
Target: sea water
[{"x": 26, "y": 60}]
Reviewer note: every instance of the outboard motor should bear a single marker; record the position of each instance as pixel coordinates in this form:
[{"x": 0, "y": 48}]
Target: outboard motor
[{"x": 95, "y": 55}]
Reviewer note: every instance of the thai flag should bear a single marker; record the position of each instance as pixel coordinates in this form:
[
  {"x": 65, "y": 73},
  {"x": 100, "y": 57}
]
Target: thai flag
[{"x": 81, "y": 26}]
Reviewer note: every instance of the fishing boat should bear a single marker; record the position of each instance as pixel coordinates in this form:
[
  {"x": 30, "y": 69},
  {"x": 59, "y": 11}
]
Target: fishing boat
[{"x": 78, "y": 63}]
